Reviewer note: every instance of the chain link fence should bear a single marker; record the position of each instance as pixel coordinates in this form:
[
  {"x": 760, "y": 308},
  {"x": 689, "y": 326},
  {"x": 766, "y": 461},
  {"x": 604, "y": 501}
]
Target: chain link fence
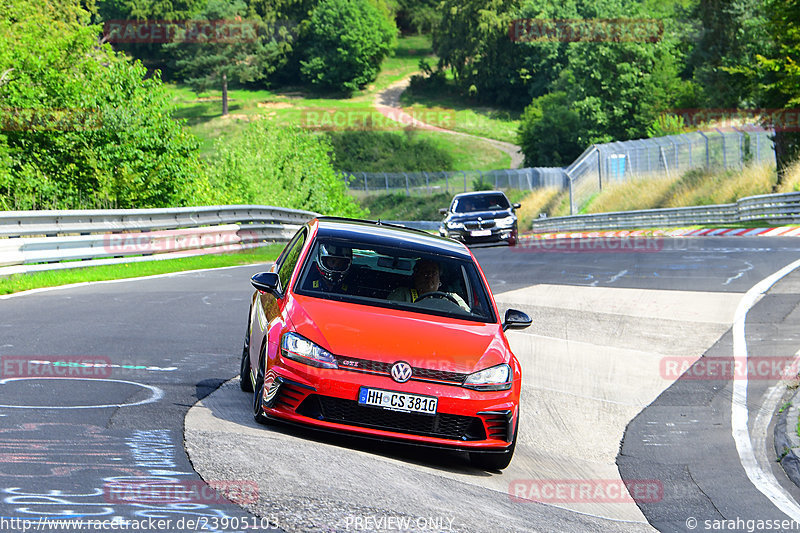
[
  {"x": 664, "y": 157},
  {"x": 454, "y": 181},
  {"x": 599, "y": 166}
]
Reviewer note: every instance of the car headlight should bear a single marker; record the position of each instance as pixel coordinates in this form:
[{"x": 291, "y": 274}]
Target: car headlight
[
  {"x": 454, "y": 225},
  {"x": 302, "y": 350},
  {"x": 506, "y": 221},
  {"x": 492, "y": 378}
]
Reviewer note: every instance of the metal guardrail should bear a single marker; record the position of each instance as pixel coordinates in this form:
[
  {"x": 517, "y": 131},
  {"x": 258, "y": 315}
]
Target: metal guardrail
[
  {"x": 44, "y": 240},
  {"x": 767, "y": 208},
  {"x": 51, "y": 223}
]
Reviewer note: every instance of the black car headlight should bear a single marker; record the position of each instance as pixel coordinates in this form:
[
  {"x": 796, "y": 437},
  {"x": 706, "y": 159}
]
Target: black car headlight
[
  {"x": 506, "y": 222},
  {"x": 454, "y": 225},
  {"x": 489, "y": 379},
  {"x": 302, "y": 350}
]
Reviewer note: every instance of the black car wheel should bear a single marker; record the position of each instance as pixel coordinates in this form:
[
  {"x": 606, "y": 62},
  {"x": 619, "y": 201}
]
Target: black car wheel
[
  {"x": 244, "y": 367},
  {"x": 258, "y": 394}
]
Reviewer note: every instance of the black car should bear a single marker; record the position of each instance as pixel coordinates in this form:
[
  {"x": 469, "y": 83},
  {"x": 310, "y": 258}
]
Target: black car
[{"x": 476, "y": 217}]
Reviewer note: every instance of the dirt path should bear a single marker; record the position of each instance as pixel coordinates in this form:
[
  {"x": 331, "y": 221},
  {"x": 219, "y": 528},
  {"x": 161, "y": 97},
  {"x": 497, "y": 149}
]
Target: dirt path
[{"x": 387, "y": 102}]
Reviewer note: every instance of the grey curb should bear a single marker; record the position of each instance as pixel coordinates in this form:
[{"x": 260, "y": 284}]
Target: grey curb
[{"x": 787, "y": 443}]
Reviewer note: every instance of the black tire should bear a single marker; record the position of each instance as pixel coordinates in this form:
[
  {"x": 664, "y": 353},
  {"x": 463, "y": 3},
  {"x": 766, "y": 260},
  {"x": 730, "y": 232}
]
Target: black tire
[
  {"x": 258, "y": 394},
  {"x": 244, "y": 367},
  {"x": 512, "y": 240},
  {"x": 494, "y": 461}
]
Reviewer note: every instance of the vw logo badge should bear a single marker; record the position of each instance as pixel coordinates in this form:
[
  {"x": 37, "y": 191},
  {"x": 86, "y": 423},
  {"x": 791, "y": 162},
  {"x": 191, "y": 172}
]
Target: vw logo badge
[{"x": 401, "y": 372}]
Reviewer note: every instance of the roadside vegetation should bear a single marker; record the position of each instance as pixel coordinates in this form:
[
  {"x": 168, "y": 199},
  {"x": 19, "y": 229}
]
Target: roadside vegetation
[
  {"x": 696, "y": 187},
  {"x": 54, "y": 278}
]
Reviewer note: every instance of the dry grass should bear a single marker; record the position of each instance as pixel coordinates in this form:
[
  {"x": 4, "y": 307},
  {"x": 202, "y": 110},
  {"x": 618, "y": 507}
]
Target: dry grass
[
  {"x": 791, "y": 180},
  {"x": 696, "y": 187},
  {"x": 639, "y": 193},
  {"x": 705, "y": 188},
  {"x": 535, "y": 202}
]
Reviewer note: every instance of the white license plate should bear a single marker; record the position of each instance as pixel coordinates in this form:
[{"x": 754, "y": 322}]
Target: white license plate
[
  {"x": 397, "y": 401},
  {"x": 481, "y": 232}
]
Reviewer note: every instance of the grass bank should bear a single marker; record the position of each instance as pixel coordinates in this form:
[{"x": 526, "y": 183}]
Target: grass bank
[
  {"x": 54, "y": 278},
  {"x": 336, "y": 115}
]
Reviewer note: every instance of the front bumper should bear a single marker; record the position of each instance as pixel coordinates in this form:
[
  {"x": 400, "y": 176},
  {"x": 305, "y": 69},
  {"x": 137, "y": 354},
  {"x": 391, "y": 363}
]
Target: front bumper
[
  {"x": 327, "y": 399},
  {"x": 466, "y": 236}
]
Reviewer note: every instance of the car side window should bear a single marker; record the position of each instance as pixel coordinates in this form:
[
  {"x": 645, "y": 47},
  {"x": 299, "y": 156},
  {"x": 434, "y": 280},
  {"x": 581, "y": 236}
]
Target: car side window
[{"x": 289, "y": 258}]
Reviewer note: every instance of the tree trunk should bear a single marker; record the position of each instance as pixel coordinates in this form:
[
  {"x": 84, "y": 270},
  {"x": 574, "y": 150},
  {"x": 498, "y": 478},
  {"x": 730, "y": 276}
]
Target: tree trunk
[
  {"x": 787, "y": 146},
  {"x": 224, "y": 94}
]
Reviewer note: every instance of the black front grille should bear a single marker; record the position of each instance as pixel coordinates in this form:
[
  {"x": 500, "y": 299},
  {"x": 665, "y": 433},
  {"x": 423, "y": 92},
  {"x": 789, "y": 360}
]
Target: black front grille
[
  {"x": 439, "y": 375},
  {"x": 442, "y": 425},
  {"x": 485, "y": 224},
  {"x": 365, "y": 365}
]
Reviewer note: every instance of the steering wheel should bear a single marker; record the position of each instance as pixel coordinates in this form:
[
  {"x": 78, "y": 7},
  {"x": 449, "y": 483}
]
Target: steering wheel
[{"x": 438, "y": 294}]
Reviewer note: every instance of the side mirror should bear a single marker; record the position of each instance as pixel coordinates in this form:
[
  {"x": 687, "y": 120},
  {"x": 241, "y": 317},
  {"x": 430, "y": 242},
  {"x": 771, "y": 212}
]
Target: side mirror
[
  {"x": 516, "y": 320},
  {"x": 443, "y": 211},
  {"x": 267, "y": 282},
  {"x": 516, "y": 206}
]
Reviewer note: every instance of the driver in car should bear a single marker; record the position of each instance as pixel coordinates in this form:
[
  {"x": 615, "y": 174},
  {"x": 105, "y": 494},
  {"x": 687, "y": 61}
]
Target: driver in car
[
  {"x": 425, "y": 279},
  {"x": 331, "y": 268}
]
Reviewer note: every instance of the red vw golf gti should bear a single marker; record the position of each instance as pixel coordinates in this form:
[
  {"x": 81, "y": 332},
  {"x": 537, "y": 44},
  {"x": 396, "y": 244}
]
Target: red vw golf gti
[{"x": 386, "y": 332}]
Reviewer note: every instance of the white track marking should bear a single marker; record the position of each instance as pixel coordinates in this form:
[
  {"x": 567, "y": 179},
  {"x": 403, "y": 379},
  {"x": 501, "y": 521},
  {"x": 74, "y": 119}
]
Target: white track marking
[
  {"x": 617, "y": 276},
  {"x": 763, "y": 480},
  {"x": 155, "y": 395},
  {"x": 740, "y": 274},
  {"x": 103, "y": 365}
]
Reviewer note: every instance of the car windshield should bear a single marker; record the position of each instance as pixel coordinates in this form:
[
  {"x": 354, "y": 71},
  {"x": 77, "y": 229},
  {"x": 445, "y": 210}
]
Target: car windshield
[
  {"x": 396, "y": 278},
  {"x": 483, "y": 202}
]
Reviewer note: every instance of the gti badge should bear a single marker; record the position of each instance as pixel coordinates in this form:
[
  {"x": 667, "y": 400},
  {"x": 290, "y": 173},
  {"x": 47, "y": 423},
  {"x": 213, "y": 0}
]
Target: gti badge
[{"x": 401, "y": 372}]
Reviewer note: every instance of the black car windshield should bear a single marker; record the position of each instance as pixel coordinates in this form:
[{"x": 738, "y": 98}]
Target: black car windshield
[
  {"x": 481, "y": 202},
  {"x": 396, "y": 278}
]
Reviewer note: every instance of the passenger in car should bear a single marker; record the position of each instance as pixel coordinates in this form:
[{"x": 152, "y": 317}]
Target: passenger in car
[{"x": 426, "y": 280}]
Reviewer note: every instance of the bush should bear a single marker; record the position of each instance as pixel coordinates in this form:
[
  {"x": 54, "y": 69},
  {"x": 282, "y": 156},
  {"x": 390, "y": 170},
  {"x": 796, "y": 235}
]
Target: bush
[
  {"x": 385, "y": 151},
  {"x": 549, "y": 132},
  {"x": 347, "y": 41},
  {"x": 84, "y": 128},
  {"x": 284, "y": 167}
]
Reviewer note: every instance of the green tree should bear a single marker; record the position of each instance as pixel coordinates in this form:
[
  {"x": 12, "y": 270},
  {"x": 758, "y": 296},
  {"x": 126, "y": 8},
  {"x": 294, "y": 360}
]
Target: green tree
[
  {"x": 285, "y": 167},
  {"x": 418, "y": 16},
  {"x": 472, "y": 40},
  {"x": 346, "y": 42},
  {"x": 80, "y": 121},
  {"x": 777, "y": 74},
  {"x": 733, "y": 33},
  {"x": 251, "y": 51},
  {"x": 549, "y": 132}
]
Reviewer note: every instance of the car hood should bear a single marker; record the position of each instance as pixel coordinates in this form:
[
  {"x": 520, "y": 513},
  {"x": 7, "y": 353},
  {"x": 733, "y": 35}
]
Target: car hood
[
  {"x": 485, "y": 215},
  {"x": 388, "y": 335}
]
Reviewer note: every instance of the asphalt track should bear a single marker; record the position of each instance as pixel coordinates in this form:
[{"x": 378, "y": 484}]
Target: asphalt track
[{"x": 605, "y": 317}]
